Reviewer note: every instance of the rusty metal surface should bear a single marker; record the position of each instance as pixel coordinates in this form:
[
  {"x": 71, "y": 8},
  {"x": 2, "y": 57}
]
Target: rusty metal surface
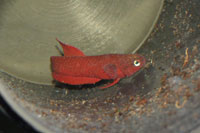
[{"x": 164, "y": 97}]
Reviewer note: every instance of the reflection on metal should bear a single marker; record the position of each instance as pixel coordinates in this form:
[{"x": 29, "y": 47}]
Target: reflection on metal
[{"x": 28, "y": 30}]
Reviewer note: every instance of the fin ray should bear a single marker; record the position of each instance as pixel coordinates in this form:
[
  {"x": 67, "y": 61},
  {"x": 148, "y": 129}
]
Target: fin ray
[
  {"x": 111, "y": 84},
  {"x": 70, "y": 50}
]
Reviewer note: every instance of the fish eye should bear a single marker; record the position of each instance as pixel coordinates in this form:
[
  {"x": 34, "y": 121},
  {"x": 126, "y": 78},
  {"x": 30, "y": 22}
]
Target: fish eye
[{"x": 136, "y": 63}]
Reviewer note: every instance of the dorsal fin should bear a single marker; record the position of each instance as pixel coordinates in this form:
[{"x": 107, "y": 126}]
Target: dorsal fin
[{"x": 70, "y": 50}]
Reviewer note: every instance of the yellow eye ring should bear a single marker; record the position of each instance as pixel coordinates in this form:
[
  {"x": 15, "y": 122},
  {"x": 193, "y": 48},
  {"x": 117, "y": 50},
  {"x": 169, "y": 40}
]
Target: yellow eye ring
[{"x": 136, "y": 63}]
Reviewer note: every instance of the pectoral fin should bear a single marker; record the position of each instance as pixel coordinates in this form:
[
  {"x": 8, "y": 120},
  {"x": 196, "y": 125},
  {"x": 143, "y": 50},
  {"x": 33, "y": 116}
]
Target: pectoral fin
[{"x": 111, "y": 71}]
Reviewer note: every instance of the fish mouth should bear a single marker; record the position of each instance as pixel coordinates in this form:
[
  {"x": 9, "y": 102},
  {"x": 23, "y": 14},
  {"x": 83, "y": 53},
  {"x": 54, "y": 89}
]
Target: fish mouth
[{"x": 142, "y": 59}]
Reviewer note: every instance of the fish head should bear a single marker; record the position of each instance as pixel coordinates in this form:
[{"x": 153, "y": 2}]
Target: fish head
[{"x": 133, "y": 63}]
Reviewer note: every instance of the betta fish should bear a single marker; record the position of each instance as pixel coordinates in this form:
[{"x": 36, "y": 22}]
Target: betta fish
[{"x": 75, "y": 68}]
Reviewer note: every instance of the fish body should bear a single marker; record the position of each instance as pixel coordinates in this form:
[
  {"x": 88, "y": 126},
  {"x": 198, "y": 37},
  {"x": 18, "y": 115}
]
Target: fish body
[{"x": 76, "y": 68}]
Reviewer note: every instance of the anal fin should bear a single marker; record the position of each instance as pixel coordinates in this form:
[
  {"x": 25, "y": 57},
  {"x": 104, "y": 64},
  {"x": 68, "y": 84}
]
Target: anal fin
[{"x": 74, "y": 80}]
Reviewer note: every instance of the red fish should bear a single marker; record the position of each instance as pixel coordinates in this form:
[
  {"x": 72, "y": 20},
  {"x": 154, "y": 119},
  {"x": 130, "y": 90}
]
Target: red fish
[{"x": 75, "y": 68}]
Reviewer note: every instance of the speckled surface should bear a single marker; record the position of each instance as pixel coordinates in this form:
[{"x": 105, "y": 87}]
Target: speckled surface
[{"x": 163, "y": 97}]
